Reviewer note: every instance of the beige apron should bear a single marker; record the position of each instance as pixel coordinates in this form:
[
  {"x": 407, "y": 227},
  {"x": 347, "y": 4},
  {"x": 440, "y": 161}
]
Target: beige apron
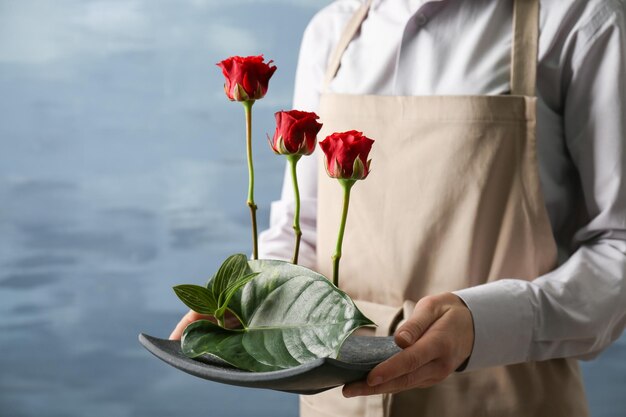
[{"x": 453, "y": 201}]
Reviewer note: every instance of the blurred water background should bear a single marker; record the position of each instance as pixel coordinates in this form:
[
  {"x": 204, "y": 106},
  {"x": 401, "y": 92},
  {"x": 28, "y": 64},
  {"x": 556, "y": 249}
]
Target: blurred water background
[{"x": 122, "y": 173}]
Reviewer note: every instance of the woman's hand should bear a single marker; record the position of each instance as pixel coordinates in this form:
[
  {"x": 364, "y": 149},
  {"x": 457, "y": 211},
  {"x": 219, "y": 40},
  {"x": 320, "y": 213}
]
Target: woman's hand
[
  {"x": 230, "y": 322},
  {"x": 436, "y": 340}
]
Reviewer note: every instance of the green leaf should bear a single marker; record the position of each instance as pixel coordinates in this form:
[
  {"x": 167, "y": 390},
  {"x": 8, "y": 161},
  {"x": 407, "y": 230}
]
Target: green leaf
[
  {"x": 240, "y": 93},
  {"x": 291, "y": 315},
  {"x": 197, "y": 298},
  {"x": 230, "y": 291},
  {"x": 241, "y": 281},
  {"x": 233, "y": 268},
  {"x": 358, "y": 168}
]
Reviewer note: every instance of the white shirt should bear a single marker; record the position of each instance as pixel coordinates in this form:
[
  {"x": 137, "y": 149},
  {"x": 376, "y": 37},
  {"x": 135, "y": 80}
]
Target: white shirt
[{"x": 418, "y": 47}]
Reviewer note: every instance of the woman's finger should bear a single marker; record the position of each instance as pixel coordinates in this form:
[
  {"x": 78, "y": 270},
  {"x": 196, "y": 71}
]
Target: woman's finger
[
  {"x": 426, "y": 312},
  {"x": 416, "y": 356},
  {"x": 187, "y": 319},
  {"x": 425, "y": 376},
  {"x": 230, "y": 321}
]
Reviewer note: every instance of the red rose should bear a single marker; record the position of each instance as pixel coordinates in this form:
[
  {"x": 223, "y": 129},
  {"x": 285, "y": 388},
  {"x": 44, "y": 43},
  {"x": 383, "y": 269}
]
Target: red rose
[
  {"x": 247, "y": 77},
  {"x": 296, "y": 132},
  {"x": 346, "y": 155}
]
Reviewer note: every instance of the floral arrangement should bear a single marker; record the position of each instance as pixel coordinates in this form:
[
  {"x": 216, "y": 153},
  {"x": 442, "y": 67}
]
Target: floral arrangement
[{"x": 284, "y": 315}]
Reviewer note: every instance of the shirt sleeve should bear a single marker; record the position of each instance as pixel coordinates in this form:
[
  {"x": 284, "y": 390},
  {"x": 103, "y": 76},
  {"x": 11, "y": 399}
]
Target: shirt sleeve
[{"x": 580, "y": 308}]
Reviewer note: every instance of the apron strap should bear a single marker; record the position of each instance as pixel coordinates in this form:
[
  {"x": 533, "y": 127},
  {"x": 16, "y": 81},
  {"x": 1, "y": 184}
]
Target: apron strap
[
  {"x": 523, "y": 52},
  {"x": 525, "y": 47},
  {"x": 351, "y": 29}
]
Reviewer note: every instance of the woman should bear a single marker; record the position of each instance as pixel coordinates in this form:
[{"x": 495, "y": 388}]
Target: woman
[{"x": 483, "y": 246}]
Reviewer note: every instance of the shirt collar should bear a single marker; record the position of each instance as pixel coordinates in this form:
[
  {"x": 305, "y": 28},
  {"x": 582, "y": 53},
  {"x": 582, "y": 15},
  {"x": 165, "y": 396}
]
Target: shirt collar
[{"x": 412, "y": 5}]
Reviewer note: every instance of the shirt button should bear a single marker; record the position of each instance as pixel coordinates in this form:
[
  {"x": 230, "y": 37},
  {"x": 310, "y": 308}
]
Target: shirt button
[{"x": 421, "y": 19}]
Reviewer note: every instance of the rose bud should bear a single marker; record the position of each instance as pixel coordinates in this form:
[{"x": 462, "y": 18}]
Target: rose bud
[
  {"x": 247, "y": 78},
  {"x": 346, "y": 155},
  {"x": 296, "y": 133}
]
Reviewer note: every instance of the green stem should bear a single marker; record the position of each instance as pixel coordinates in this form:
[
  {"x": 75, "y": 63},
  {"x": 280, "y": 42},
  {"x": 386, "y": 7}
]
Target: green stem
[
  {"x": 293, "y": 161},
  {"x": 248, "y": 109},
  {"x": 347, "y": 185}
]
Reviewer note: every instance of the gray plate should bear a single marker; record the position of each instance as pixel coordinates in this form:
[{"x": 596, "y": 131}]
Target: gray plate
[{"x": 358, "y": 355}]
